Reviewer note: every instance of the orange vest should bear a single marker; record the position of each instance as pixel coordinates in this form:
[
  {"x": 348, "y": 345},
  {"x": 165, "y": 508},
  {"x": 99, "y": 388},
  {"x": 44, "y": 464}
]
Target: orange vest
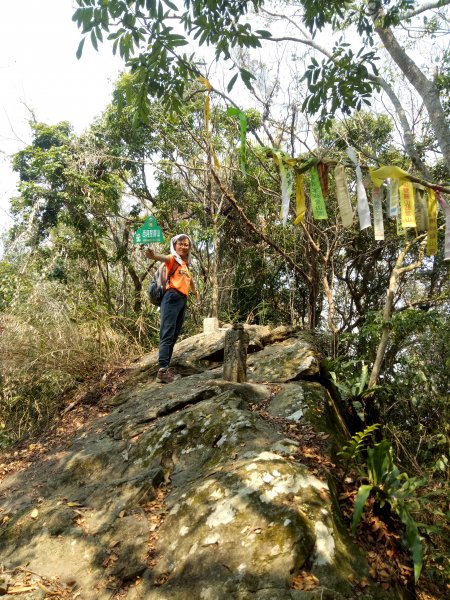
[{"x": 181, "y": 278}]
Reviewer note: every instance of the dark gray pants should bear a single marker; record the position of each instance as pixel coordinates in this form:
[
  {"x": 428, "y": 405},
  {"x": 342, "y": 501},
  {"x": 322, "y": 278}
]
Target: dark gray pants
[{"x": 173, "y": 308}]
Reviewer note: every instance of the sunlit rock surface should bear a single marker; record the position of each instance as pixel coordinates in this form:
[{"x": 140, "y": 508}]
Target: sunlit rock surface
[{"x": 243, "y": 514}]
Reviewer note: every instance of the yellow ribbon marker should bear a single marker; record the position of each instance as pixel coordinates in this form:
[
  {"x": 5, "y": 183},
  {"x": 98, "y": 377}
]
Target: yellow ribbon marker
[
  {"x": 207, "y": 110},
  {"x": 386, "y": 172},
  {"x": 209, "y": 88},
  {"x": 315, "y": 192},
  {"x": 215, "y": 159},
  {"x": 343, "y": 196},
  {"x": 407, "y": 204},
  {"x": 432, "y": 239},
  {"x": 406, "y": 192},
  {"x": 300, "y": 205}
]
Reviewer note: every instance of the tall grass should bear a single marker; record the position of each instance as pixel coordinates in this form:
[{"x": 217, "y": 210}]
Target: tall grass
[{"x": 51, "y": 342}]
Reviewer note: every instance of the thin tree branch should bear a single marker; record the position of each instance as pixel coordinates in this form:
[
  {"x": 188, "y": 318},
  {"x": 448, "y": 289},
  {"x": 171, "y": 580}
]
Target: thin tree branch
[{"x": 427, "y": 6}]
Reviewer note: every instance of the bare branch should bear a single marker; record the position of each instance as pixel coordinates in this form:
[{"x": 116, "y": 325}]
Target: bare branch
[{"x": 427, "y": 6}]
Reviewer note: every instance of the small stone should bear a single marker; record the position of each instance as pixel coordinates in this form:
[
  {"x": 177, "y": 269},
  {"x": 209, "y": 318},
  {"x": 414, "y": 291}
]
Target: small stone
[{"x": 4, "y": 583}]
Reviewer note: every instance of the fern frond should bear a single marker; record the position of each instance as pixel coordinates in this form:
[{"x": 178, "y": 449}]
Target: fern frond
[{"x": 358, "y": 443}]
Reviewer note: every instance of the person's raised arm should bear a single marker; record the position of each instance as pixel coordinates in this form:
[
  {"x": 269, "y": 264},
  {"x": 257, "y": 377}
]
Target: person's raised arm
[{"x": 150, "y": 253}]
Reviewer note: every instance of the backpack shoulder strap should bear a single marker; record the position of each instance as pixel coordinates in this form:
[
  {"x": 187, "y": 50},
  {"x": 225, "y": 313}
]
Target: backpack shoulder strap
[{"x": 171, "y": 272}]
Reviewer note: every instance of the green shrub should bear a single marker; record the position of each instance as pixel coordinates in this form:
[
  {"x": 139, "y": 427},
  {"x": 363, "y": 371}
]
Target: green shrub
[{"x": 389, "y": 486}]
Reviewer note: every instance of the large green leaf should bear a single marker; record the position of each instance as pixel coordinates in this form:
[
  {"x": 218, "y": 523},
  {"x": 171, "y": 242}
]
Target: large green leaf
[
  {"x": 413, "y": 540},
  {"x": 363, "y": 380},
  {"x": 379, "y": 462},
  {"x": 360, "y": 501},
  {"x": 80, "y": 48}
]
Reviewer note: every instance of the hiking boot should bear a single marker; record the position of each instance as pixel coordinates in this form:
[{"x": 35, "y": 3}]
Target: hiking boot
[
  {"x": 174, "y": 373},
  {"x": 166, "y": 376}
]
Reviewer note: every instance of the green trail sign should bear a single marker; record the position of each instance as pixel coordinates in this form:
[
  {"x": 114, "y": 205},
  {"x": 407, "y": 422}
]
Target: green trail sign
[{"x": 150, "y": 232}]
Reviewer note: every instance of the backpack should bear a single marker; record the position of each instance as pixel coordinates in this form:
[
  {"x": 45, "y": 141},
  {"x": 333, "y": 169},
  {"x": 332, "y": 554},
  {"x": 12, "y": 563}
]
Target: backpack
[{"x": 157, "y": 286}]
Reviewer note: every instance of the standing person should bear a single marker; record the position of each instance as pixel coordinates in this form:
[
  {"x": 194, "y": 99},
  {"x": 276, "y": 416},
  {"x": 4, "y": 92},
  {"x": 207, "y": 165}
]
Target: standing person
[{"x": 173, "y": 305}]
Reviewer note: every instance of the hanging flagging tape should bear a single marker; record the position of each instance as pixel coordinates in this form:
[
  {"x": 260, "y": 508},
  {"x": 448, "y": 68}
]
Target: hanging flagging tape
[
  {"x": 286, "y": 185},
  {"x": 315, "y": 191},
  {"x": 300, "y": 167},
  {"x": 407, "y": 204},
  {"x": 363, "y": 204},
  {"x": 243, "y": 123},
  {"x": 300, "y": 204},
  {"x": 209, "y": 88},
  {"x": 392, "y": 205},
  {"x": 343, "y": 196},
  {"x": 378, "y": 224},
  {"x": 432, "y": 239},
  {"x": 421, "y": 208},
  {"x": 446, "y": 208},
  {"x": 418, "y": 206},
  {"x": 412, "y": 204},
  {"x": 386, "y": 172},
  {"x": 322, "y": 169}
]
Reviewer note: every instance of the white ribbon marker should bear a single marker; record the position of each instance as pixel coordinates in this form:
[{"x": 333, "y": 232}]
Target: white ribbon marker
[{"x": 363, "y": 204}]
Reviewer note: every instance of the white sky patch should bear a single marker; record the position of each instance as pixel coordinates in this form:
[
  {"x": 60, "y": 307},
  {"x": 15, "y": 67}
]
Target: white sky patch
[{"x": 39, "y": 70}]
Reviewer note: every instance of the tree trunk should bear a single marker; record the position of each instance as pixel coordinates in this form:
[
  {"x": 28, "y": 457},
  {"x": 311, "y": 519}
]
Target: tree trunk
[
  {"x": 214, "y": 278},
  {"x": 137, "y": 284},
  {"x": 426, "y": 89},
  {"x": 388, "y": 309},
  {"x": 408, "y": 135}
]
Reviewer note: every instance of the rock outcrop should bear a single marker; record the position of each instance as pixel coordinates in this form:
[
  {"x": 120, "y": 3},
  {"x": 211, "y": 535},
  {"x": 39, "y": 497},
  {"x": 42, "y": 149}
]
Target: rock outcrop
[{"x": 193, "y": 490}]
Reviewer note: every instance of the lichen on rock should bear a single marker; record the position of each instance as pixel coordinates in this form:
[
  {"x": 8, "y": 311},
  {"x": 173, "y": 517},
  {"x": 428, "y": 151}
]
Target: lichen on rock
[{"x": 243, "y": 512}]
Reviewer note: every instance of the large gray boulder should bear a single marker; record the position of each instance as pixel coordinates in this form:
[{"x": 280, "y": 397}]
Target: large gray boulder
[{"x": 191, "y": 490}]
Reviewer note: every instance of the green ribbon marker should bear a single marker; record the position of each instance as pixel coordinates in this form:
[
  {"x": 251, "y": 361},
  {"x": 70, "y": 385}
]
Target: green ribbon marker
[
  {"x": 149, "y": 233},
  {"x": 315, "y": 193}
]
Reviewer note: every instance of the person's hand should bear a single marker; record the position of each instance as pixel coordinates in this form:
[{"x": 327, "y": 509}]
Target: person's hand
[{"x": 150, "y": 253}]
